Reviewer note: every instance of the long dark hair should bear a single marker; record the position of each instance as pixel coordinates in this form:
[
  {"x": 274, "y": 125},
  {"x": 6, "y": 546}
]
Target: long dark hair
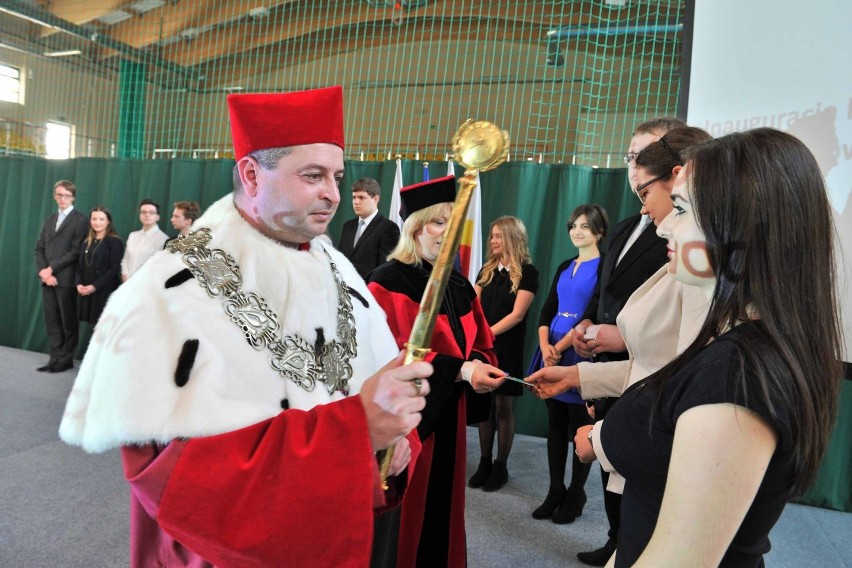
[
  {"x": 110, "y": 230},
  {"x": 761, "y": 202}
]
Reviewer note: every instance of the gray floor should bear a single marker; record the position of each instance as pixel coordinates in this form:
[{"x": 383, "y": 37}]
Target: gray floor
[{"x": 64, "y": 508}]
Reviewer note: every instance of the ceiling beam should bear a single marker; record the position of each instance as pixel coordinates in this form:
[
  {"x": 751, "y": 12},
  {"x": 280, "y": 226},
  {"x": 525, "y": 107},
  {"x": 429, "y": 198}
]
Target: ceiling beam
[
  {"x": 43, "y": 17},
  {"x": 171, "y": 19},
  {"x": 83, "y": 11},
  {"x": 233, "y": 69},
  {"x": 247, "y": 36}
]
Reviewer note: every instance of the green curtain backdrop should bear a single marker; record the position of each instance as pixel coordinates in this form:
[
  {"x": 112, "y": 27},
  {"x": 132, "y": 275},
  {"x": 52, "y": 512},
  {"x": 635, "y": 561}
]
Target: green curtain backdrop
[{"x": 542, "y": 195}]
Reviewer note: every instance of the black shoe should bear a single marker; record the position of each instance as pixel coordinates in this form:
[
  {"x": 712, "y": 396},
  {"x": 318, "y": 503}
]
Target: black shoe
[
  {"x": 551, "y": 502},
  {"x": 59, "y": 367},
  {"x": 498, "y": 478},
  {"x": 600, "y": 556},
  {"x": 478, "y": 479},
  {"x": 571, "y": 507},
  {"x": 46, "y": 367}
]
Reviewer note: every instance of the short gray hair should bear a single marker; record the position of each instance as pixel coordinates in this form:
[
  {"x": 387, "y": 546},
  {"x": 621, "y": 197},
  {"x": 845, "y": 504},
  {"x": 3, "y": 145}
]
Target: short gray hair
[{"x": 268, "y": 160}]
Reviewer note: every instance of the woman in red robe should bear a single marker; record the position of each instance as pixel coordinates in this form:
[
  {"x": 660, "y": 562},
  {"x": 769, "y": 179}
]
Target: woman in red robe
[{"x": 431, "y": 520}]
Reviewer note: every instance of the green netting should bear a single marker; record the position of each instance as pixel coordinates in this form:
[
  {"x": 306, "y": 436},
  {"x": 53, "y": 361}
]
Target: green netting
[{"x": 568, "y": 79}]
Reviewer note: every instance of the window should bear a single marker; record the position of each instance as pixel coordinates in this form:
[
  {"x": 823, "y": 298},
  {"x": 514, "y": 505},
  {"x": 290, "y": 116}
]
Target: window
[
  {"x": 58, "y": 141},
  {"x": 10, "y": 84}
]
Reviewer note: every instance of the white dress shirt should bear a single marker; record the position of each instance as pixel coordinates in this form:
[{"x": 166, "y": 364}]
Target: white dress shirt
[
  {"x": 141, "y": 245},
  {"x": 63, "y": 214},
  {"x": 634, "y": 236}
]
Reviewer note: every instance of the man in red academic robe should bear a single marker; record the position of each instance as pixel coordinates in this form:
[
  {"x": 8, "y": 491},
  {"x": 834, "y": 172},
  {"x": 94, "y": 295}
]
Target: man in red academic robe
[{"x": 247, "y": 373}]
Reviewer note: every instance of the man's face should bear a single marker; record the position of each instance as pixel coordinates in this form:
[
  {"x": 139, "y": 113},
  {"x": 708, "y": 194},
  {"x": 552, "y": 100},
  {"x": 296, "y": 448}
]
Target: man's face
[
  {"x": 363, "y": 204},
  {"x": 148, "y": 216},
  {"x": 64, "y": 198},
  {"x": 179, "y": 222},
  {"x": 296, "y": 201},
  {"x": 637, "y": 143}
]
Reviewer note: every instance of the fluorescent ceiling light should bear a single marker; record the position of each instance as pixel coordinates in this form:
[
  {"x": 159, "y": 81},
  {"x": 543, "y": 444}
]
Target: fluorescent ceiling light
[
  {"x": 64, "y": 53},
  {"x": 146, "y": 5},
  {"x": 115, "y": 17}
]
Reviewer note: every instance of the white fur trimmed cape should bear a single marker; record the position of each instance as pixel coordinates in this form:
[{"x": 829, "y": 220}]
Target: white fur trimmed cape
[{"x": 126, "y": 391}]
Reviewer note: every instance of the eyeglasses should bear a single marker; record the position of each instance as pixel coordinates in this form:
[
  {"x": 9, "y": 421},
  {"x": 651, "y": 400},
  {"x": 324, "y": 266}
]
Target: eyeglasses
[
  {"x": 629, "y": 157},
  {"x": 62, "y": 195},
  {"x": 642, "y": 186}
]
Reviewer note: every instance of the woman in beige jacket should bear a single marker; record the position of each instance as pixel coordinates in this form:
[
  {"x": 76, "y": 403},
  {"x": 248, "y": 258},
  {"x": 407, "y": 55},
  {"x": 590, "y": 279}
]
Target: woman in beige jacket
[{"x": 658, "y": 322}]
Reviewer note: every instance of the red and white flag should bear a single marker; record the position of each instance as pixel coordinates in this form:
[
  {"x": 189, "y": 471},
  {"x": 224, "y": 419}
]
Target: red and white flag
[
  {"x": 470, "y": 248},
  {"x": 396, "y": 200}
]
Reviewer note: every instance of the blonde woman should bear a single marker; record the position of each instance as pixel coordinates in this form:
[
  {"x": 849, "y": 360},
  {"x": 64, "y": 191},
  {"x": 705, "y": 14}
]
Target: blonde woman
[
  {"x": 430, "y": 526},
  {"x": 506, "y": 286}
]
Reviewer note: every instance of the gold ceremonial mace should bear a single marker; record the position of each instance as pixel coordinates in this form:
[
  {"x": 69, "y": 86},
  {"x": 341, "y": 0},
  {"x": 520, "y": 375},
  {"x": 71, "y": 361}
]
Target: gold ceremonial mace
[{"x": 479, "y": 147}]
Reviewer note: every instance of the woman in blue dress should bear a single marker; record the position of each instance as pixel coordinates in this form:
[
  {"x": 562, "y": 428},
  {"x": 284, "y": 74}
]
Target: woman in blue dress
[{"x": 575, "y": 281}]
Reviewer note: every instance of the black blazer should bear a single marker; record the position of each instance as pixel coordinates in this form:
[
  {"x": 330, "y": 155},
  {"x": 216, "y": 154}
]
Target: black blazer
[
  {"x": 374, "y": 246},
  {"x": 106, "y": 258},
  {"x": 60, "y": 249},
  {"x": 617, "y": 283}
]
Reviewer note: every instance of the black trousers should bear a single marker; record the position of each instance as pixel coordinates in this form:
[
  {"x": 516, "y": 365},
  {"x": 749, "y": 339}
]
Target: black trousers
[
  {"x": 563, "y": 420},
  {"x": 612, "y": 501},
  {"x": 60, "y": 318}
]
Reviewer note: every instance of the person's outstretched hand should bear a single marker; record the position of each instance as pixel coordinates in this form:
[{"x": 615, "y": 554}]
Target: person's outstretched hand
[{"x": 393, "y": 400}]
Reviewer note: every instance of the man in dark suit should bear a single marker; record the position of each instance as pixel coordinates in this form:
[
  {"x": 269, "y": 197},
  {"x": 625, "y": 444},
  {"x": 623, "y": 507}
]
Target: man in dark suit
[
  {"x": 56, "y": 254},
  {"x": 635, "y": 253},
  {"x": 368, "y": 239}
]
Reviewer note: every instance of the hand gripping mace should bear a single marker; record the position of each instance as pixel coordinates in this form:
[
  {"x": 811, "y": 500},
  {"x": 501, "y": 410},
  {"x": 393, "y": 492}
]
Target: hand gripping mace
[{"x": 478, "y": 146}]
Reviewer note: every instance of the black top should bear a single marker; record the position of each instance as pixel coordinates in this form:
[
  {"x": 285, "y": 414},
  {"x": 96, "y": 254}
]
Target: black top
[
  {"x": 497, "y": 301},
  {"x": 712, "y": 377},
  {"x": 100, "y": 266}
]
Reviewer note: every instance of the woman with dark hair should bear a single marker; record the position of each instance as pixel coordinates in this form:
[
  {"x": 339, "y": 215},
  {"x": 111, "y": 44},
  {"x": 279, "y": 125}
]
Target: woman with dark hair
[
  {"x": 430, "y": 521},
  {"x": 657, "y": 322},
  {"x": 99, "y": 266},
  {"x": 715, "y": 443},
  {"x": 572, "y": 288},
  {"x": 506, "y": 287}
]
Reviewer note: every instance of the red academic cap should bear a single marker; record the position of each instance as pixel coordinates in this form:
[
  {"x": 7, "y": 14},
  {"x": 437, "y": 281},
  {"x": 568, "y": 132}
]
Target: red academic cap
[
  {"x": 276, "y": 120},
  {"x": 422, "y": 195}
]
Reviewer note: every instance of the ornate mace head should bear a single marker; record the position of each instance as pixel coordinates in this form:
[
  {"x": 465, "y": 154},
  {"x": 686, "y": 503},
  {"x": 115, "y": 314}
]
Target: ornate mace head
[{"x": 480, "y": 145}]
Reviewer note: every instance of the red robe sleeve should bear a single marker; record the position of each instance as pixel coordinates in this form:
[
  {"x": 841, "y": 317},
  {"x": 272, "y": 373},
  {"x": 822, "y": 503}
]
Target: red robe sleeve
[
  {"x": 445, "y": 354},
  {"x": 298, "y": 489},
  {"x": 483, "y": 342}
]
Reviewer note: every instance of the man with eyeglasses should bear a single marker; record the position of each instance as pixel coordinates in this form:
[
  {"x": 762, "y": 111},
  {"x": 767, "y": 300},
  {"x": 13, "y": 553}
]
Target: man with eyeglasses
[
  {"x": 634, "y": 254},
  {"x": 56, "y": 254},
  {"x": 142, "y": 244}
]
